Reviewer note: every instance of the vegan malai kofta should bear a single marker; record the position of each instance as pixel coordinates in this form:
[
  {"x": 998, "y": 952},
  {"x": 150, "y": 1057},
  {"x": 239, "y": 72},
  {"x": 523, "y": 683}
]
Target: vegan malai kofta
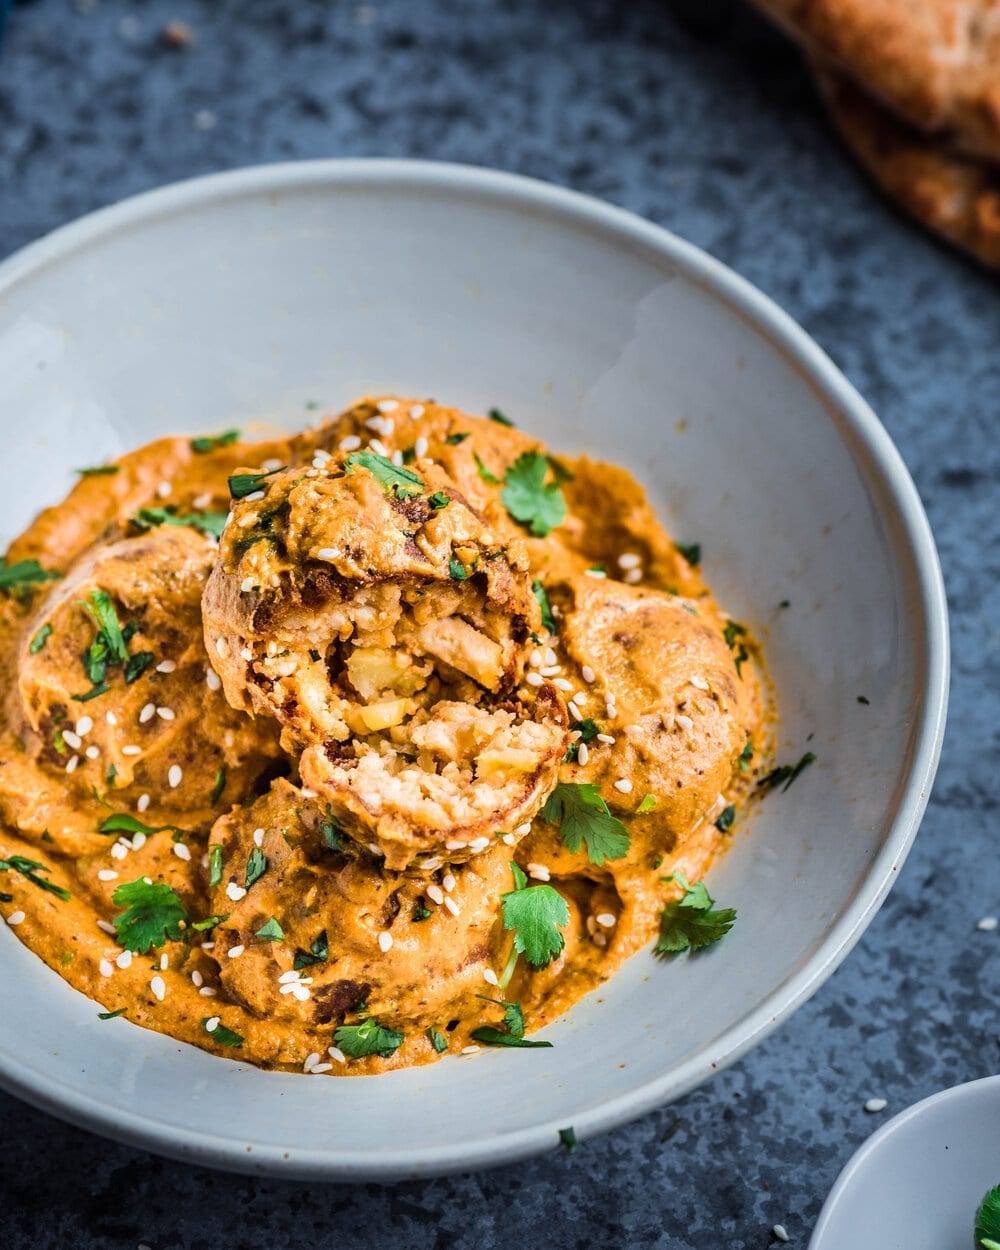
[{"x": 346, "y": 751}]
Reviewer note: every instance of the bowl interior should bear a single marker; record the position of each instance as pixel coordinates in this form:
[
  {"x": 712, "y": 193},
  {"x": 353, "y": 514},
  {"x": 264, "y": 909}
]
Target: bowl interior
[{"x": 252, "y": 298}]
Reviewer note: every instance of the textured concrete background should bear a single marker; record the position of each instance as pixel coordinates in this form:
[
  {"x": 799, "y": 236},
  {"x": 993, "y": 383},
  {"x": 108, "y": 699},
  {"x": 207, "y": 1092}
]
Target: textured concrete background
[{"x": 697, "y": 116}]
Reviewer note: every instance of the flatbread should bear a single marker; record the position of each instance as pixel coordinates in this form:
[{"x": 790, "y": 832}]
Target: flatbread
[
  {"x": 955, "y": 195},
  {"x": 936, "y": 63}
]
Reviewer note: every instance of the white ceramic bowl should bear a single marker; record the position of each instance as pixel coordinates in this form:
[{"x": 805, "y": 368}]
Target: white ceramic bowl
[
  {"x": 917, "y": 1183},
  {"x": 241, "y": 297}
]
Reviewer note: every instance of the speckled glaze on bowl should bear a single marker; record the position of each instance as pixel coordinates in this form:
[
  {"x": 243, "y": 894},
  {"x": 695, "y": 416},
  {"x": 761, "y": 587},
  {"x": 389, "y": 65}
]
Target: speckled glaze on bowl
[{"x": 243, "y": 297}]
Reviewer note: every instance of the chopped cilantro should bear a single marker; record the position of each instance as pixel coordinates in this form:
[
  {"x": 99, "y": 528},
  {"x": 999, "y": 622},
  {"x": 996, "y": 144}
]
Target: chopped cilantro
[
  {"x": 691, "y": 922},
  {"x": 392, "y": 477},
  {"x": 215, "y": 866},
  {"x": 420, "y": 912},
  {"x": 318, "y": 953},
  {"x": 496, "y": 1037},
  {"x": 202, "y": 926},
  {"x": 220, "y": 785},
  {"x": 785, "y": 774},
  {"x": 746, "y": 755},
  {"x": 111, "y": 1015},
  {"x": 209, "y": 442},
  {"x": 548, "y": 620},
  {"x": 41, "y": 637},
  {"x": 862, "y": 699},
  {"x": 734, "y": 634},
  {"x": 691, "y": 552},
  {"x": 314, "y": 655},
  {"x": 122, "y": 822},
  {"x": 489, "y": 478},
  {"x": 220, "y": 1034},
  {"x": 647, "y": 805},
  {"x": 437, "y": 1040},
  {"x": 110, "y": 775},
  {"x": 100, "y": 688},
  {"x": 536, "y": 914},
  {"x": 22, "y": 576},
  {"x": 588, "y": 730},
  {"x": 567, "y": 1138},
  {"x": 243, "y": 484},
  {"x": 153, "y": 914},
  {"x": 529, "y": 498},
  {"x": 513, "y": 1015},
  {"x": 726, "y": 818},
  {"x": 497, "y": 416},
  {"x": 367, "y": 1038},
  {"x": 256, "y": 866},
  {"x": 210, "y": 523},
  {"x": 439, "y": 500},
  {"x": 785, "y": 603},
  {"x": 136, "y": 665},
  {"x": 99, "y": 470},
  {"x": 583, "y": 816},
  {"x": 331, "y": 831},
  {"x": 31, "y": 869},
  {"x": 987, "y": 1228},
  {"x": 270, "y": 931},
  {"x": 453, "y": 440},
  {"x": 458, "y": 570}
]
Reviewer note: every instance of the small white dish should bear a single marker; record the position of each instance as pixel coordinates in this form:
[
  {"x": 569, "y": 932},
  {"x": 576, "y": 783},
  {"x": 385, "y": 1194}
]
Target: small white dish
[
  {"x": 240, "y": 298},
  {"x": 917, "y": 1183}
]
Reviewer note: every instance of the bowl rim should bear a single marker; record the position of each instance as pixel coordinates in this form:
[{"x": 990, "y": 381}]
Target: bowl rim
[
  {"x": 966, "y": 1092},
  {"x": 872, "y": 447}
]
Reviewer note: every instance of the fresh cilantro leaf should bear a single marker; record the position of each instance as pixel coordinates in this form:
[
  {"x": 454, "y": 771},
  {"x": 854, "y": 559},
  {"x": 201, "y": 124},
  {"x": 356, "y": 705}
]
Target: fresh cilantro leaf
[
  {"x": 726, "y": 818},
  {"x": 458, "y": 570},
  {"x": 271, "y": 931},
  {"x": 536, "y": 914},
  {"x": 101, "y": 688},
  {"x": 588, "y": 730},
  {"x": 691, "y": 552},
  {"x": 495, "y": 1037},
  {"x": 202, "y": 926},
  {"x": 409, "y": 455},
  {"x": 691, "y": 922},
  {"x": 392, "y": 477},
  {"x": 256, "y": 866},
  {"x": 529, "y": 498},
  {"x": 99, "y": 470},
  {"x": 331, "y": 831},
  {"x": 318, "y": 953},
  {"x": 40, "y": 638},
  {"x": 453, "y": 440},
  {"x": 548, "y": 620},
  {"x": 513, "y": 1018},
  {"x": 862, "y": 699},
  {"x": 122, "y": 822},
  {"x": 220, "y": 1034},
  {"x": 785, "y": 774},
  {"x": 220, "y": 785},
  {"x": 734, "y": 634},
  {"x": 583, "y": 816},
  {"x": 243, "y": 484},
  {"x": 746, "y": 755},
  {"x": 32, "y": 870},
  {"x": 101, "y": 610},
  {"x": 153, "y": 914},
  {"x": 110, "y": 775},
  {"x": 19, "y": 577},
  {"x": 111, "y": 1015},
  {"x": 497, "y": 416},
  {"x": 421, "y": 913},
  {"x": 210, "y": 523},
  {"x": 647, "y": 805},
  {"x": 987, "y": 1230},
  {"x": 209, "y": 442},
  {"x": 732, "y": 631},
  {"x": 367, "y": 1038},
  {"x": 439, "y": 500},
  {"x": 489, "y": 478},
  {"x": 437, "y": 1040},
  {"x": 567, "y": 1137},
  {"x": 136, "y": 665},
  {"x": 215, "y": 866}
]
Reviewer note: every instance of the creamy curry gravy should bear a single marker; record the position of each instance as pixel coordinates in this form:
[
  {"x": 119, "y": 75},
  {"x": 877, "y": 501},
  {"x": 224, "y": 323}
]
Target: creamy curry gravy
[{"x": 374, "y": 724}]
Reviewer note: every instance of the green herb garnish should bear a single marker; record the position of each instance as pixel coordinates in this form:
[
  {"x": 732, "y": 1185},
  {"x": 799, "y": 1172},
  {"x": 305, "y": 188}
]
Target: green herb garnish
[
  {"x": 153, "y": 914},
  {"x": 243, "y": 484},
  {"x": 215, "y": 866},
  {"x": 548, "y": 620},
  {"x": 746, "y": 755},
  {"x": 256, "y": 866},
  {"x": 210, "y": 523},
  {"x": 220, "y": 785},
  {"x": 583, "y": 816},
  {"x": 726, "y": 818},
  {"x": 489, "y": 478},
  {"x": 31, "y": 870},
  {"x": 536, "y": 914},
  {"x": 647, "y": 805},
  {"x": 331, "y": 831},
  {"x": 122, "y": 822},
  {"x": 111, "y": 1015},
  {"x": 439, "y": 500},
  {"x": 496, "y": 1037},
  {"x": 202, "y": 926},
  {"x": 692, "y": 921},
  {"x": 209, "y": 442},
  {"x": 437, "y": 1040},
  {"x": 497, "y": 416},
  {"x": 392, "y": 477},
  {"x": 220, "y": 1034},
  {"x": 17, "y": 578},
  {"x": 136, "y": 665},
  {"x": 458, "y": 570},
  {"x": 270, "y": 931},
  {"x": 99, "y": 470},
  {"x": 40, "y": 638},
  {"x": 318, "y": 953},
  {"x": 567, "y": 1138},
  {"x": 367, "y": 1038},
  {"x": 987, "y": 1227},
  {"x": 453, "y": 440},
  {"x": 529, "y": 498},
  {"x": 691, "y": 552},
  {"x": 785, "y": 774}
]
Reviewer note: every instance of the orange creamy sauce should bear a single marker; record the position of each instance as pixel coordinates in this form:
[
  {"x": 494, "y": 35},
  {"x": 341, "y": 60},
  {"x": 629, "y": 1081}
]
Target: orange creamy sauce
[{"x": 640, "y": 650}]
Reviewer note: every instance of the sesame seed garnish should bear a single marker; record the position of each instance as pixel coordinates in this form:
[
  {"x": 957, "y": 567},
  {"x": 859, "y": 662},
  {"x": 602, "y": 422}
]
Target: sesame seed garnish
[
  {"x": 551, "y": 670},
  {"x": 478, "y": 844},
  {"x": 235, "y": 952},
  {"x": 632, "y": 576},
  {"x": 561, "y": 683},
  {"x": 379, "y": 448},
  {"x": 987, "y": 924},
  {"x": 384, "y": 941},
  {"x": 387, "y": 405},
  {"x": 574, "y": 710},
  {"x": 143, "y": 803},
  {"x": 202, "y": 500},
  {"x": 182, "y": 852},
  {"x": 212, "y": 679},
  {"x": 71, "y": 765},
  {"x": 533, "y": 679},
  {"x": 124, "y": 959},
  {"x": 147, "y": 713},
  {"x": 606, "y": 738},
  {"x": 106, "y": 968},
  {"x": 629, "y": 560},
  {"x": 470, "y": 1050},
  {"x": 449, "y": 882},
  {"x": 247, "y": 655},
  {"x": 15, "y": 918},
  {"x": 221, "y": 647},
  {"x": 253, "y": 496},
  {"x": 83, "y": 726},
  {"x": 247, "y": 584},
  {"x": 258, "y": 837},
  {"x": 111, "y": 718},
  {"x": 174, "y": 776},
  {"x": 105, "y": 927},
  {"x": 300, "y": 993},
  {"x": 165, "y": 713},
  {"x": 197, "y": 980},
  {"x": 420, "y": 447},
  {"x": 588, "y": 674},
  {"x": 436, "y": 894},
  {"x": 583, "y": 754},
  {"x": 779, "y": 1232},
  {"x": 107, "y": 874},
  {"x": 876, "y": 1104},
  {"x": 164, "y": 962},
  {"x": 208, "y": 991},
  {"x": 326, "y": 553},
  {"x": 606, "y": 919},
  {"x": 235, "y": 892},
  {"x": 685, "y": 722},
  {"x": 416, "y": 411},
  {"x": 595, "y": 572},
  {"x": 699, "y": 683},
  {"x": 455, "y": 846},
  {"x": 336, "y": 1053},
  {"x": 317, "y": 1068},
  {"x": 321, "y": 455},
  {"x": 212, "y": 1023},
  {"x": 452, "y": 906},
  {"x": 138, "y": 841},
  {"x": 250, "y": 519},
  {"x": 287, "y": 977},
  {"x": 624, "y": 785},
  {"x": 508, "y": 839},
  {"x": 428, "y": 865},
  {"x": 119, "y": 851},
  {"x": 71, "y": 739},
  {"x": 92, "y": 752},
  {"x": 164, "y": 489},
  {"x": 539, "y": 872},
  {"x": 350, "y": 443},
  {"x": 166, "y": 666}
]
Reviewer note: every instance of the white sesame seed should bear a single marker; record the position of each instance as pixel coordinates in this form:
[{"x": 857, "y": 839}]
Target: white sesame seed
[
  {"x": 470, "y": 1050},
  {"x": 174, "y": 776},
  {"x": 301, "y": 993},
  {"x": 15, "y": 918},
  {"x": 606, "y": 738},
  {"x": 374, "y": 847},
  {"x": 490, "y": 977},
  {"x": 212, "y": 1023},
  {"x": 119, "y": 851},
  {"x": 588, "y": 674},
  {"x": 551, "y": 670},
  {"x": 138, "y": 841},
  {"x": 987, "y": 924},
  {"x": 71, "y": 765},
  {"x": 106, "y": 968},
  {"x": 523, "y": 829},
  {"x": 606, "y": 919},
  {"x": 326, "y": 553},
  {"x": 164, "y": 489},
  {"x": 449, "y": 882},
  {"x": 378, "y": 448},
  {"x": 165, "y": 713},
  {"x": 699, "y": 683},
  {"x": 247, "y": 655},
  {"x": 92, "y": 752},
  {"x": 455, "y": 846},
  {"x": 561, "y": 683},
  {"x": 212, "y": 679},
  {"x": 247, "y": 584},
  {"x": 251, "y": 518},
  {"x": 478, "y": 844},
  {"x": 182, "y": 852},
  {"x": 539, "y": 872},
  {"x": 202, "y": 500},
  {"x": 124, "y": 959},
  {"x": 197, "y": 980},
  {"x": 595, "y": 572},
  {"x": 111, "y": 718},
  {"x": 876, "y": 1104},
  {"x": 435, "y": 894},
  {"x": 420, "y": 447},
  {"x": 685, "y": 722},
  {"x": 633, "y": 729},
  {"x": 221, "y": 647},
  {"x": 387, "y": 405},
  {"x": 574, "y": 710},
  {"x": 159, "y": 988},
  {"x": 253, "y": 496},
  {"x": 71, "y": 739},
  {"x": 350, "y": 443},
  {"x": 147, "y": 713},
  {"x": 107, "y": 874},
  {"x": 384, "y": 941},
  {"x": 235, "y": 892},
  {"x": 624, "y": 785},
  {"x": 235, "y": 952},
  {"x": 164, "y": 962},
  {"x": 629, "y": 560},
  {"x": 508, "y": 839},
  {"x": 107, "y": 928},
  {"x": 317, "y": 1068},
  {"x": 83, "y": 726},
  {"x": 416, "y": 411},
  {"x": 336, "y": 1053},
  {"x": 321, "y": 455},
  {"x": 429, "y": 865},
  {"x": 533, "y": 679},
  {"x": 309, "y": 1060},
  {"x": 632, "y": 576},
  {"x": 208, "y": 991},
  {"x": 583, "y": 754},
  {"x": 258, "y": 837},
  {"x": 166, "y": 666},
  {"x": 452, "y": 906},
  {"x": 779, "y": 1232},
  {"x": 143, "y": 803},
  {"x": 287, "y": 977}
]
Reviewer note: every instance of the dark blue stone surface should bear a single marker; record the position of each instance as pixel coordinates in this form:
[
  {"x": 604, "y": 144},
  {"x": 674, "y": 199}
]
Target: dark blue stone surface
[{"x": 699, "y": 117}]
